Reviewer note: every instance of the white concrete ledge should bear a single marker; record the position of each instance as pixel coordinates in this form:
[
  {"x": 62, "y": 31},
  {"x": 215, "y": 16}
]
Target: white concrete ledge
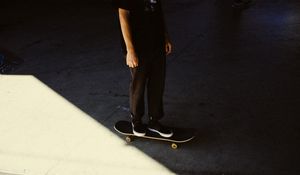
[{"x": 43, "y": 133}]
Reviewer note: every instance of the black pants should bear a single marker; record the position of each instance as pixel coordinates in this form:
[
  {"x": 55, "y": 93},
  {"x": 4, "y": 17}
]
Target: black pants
[{"x": 150, "y": 76}]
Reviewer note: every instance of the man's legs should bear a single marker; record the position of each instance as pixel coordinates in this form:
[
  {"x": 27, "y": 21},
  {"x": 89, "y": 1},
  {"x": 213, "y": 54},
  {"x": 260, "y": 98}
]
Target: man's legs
[
  {"x": 155, "y": 90},
  {"x": 155, "y": 87},
  {"x": 136, "y": 97},
  {"x": 136, "y": 93},
  {"x": 151, "y": 73}
]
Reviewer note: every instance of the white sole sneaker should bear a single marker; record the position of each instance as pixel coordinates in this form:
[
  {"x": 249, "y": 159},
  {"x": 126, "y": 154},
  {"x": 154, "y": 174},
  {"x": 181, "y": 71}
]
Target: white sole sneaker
[
  {"x": 138, "y": 133},
  {"x": 161, "y": 134}
]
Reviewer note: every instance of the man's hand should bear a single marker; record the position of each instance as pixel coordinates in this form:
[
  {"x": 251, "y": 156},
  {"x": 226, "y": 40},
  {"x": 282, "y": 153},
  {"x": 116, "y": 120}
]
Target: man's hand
[
  {"x": 131, "y": 59},
  {"x": 168, "y": 47}
]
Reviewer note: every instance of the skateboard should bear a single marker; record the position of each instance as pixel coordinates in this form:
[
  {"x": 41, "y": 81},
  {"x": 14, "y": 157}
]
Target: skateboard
[{"x": 180, "y": 135}]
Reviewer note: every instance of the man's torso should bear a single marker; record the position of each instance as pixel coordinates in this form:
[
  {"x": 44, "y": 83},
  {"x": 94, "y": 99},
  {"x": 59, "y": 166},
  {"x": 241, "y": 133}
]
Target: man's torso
[{"x": 146, "y": 23}]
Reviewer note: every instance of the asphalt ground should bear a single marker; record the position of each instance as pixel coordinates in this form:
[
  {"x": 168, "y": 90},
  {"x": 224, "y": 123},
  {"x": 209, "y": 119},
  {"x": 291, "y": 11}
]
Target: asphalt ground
[{"x": 234, "y": 76}]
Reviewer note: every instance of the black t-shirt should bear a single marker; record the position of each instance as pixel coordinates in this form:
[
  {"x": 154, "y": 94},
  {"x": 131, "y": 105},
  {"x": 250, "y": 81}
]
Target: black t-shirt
[{"x": 146, "y": 23}]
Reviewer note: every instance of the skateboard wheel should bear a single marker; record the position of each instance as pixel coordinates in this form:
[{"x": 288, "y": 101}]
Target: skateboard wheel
[
  {"x": 128, "y": 139},
  {"x": 174, "y": 146}
]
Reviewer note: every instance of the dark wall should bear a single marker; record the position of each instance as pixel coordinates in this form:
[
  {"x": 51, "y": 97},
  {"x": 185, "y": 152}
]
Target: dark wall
[{"x": 41, "y": 2}]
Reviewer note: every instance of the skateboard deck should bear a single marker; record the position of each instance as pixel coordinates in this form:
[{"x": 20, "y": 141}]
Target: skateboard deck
[{"x": 180, "y": 135}]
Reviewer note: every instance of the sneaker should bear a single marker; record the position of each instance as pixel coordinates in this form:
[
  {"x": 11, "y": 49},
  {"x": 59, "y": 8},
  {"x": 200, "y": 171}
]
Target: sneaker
[
  {"x": 138, "y": 129},
  {"x": 160, "y": 129}
]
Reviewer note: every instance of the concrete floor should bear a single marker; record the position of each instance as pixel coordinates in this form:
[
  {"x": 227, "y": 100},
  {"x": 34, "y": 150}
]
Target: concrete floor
[{"x": 233, "y": 75}]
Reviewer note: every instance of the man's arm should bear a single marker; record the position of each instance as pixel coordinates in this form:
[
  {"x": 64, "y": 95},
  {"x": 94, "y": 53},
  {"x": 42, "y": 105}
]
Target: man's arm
[
  {"x": 131, "y": 57},
  {"x": 168, "y": 43}
]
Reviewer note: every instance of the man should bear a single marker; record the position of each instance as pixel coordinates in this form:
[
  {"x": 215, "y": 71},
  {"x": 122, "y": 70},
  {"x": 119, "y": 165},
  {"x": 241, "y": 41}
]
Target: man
[{"x": 145, "y": 44}]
